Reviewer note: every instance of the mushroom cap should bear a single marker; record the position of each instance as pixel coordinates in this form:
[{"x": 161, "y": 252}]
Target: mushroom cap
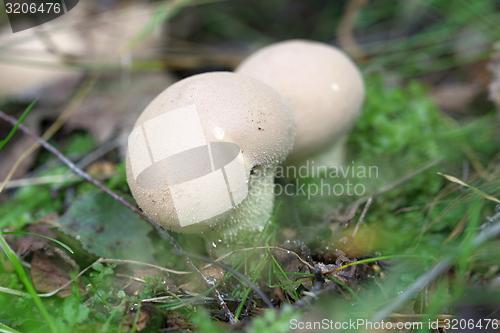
[
  {"x": 322, "y": 86},
  {"x": 192, "y": 149}
]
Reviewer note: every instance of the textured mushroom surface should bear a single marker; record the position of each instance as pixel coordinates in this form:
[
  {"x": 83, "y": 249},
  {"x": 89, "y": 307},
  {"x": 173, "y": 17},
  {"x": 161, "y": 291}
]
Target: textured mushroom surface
[
  {"x": 321, "y": 85},
  {"x": 193, "y": 149}
]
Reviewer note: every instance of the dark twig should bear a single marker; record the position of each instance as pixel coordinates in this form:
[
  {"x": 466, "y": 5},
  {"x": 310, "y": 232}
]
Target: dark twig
[
  {"x": 492, "y": 231},
  {"x": 76, "y": 170},
  {"x": 163, "y": 232},
  {"x": 404, "y": 179}
]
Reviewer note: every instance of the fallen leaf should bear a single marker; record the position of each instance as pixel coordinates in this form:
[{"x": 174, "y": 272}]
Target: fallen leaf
[
  {"x": 52, "y": 268},
  {"x": 28, "y": 244},
  {"x": 108, "y": 229}
]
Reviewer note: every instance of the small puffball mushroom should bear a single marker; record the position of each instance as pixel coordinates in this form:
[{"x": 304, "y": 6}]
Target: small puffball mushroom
[
  {"x": 202, "y": 156},
  {"x": 322, "y": 87}
]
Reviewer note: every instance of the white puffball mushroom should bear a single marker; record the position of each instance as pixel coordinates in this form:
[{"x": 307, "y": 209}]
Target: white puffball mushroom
[
  {"x": 202, "y": 156},
  {"x": 323, "y": 88}
]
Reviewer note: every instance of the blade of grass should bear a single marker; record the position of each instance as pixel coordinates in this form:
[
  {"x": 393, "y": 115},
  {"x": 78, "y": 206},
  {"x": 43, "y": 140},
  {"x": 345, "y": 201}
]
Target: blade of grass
[
  {"x": 6, "y": 329},
  {"x": 14, "y": 129},
  {"x": 11, "y": 255},
  {"x": 255, "y": 274},
  {"x": 13, "y": 292},
  {"x": 23, "y": 233},
  {"x": 286, "y": 281},
  {"x": 367, "y": 261}
]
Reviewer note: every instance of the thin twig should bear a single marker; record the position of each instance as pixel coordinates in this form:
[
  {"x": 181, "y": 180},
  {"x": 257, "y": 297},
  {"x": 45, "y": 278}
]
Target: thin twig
[
  {"x": 440, "y": 268},
  {"x": 264, "y": 248},
  {"x": 83, "y": 271},
  {"x": 163, "y": 232},
  {"x": 361, "y": 219},
  {"x": 404, "y": 179},
  {"x": 131, "y": 278},
  {"x": 145, "y": 264},
  {"x": 67, "y": 176}
]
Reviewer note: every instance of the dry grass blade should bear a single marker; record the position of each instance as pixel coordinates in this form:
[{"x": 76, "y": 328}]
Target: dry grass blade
[
  {"x": 361, "y": 219},
  {"x": 475, "y": 189}
]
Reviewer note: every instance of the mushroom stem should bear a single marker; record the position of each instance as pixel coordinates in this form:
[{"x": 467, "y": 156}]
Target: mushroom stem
[
  {"x": 250, "y": 217},
  {"x": 332, "y": 156}
]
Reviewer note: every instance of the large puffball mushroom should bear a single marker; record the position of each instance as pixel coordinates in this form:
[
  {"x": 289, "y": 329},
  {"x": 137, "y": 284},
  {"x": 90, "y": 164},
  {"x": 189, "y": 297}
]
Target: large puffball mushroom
[
  {"x": 202, "y": 156},
  {"x": 323, "y": 88}
]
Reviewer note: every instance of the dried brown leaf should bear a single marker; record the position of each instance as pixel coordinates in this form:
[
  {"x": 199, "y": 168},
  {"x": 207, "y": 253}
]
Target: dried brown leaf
[
  {"x": 52, "y": 268},
  {"x": 26, "y": 245}
]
